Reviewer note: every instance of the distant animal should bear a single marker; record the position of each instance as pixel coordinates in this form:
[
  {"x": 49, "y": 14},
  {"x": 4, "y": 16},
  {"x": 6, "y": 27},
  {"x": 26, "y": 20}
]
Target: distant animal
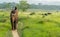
[
  {"x": 14, "y": 18},
  {"x": 46, "y": 14},
  {"x": 49, "y": 13}
]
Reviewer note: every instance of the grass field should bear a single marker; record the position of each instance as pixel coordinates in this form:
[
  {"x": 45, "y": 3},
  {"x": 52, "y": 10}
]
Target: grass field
[
  {"x": 36, "y": 26},
  {"x": 31, "y": 25},
  {"x": 5, "y": 29}
]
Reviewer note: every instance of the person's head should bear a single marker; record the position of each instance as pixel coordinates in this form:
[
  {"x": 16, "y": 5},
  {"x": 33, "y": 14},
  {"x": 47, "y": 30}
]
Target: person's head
[{"x": 15, "y": 8}]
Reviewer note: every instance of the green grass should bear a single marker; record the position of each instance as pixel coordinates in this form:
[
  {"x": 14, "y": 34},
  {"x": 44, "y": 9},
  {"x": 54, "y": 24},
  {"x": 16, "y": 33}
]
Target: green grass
[
  {"x": 5, "y": 28},
  {"x": 31, "y": 25},
  {"x": 36, "y": 26}
]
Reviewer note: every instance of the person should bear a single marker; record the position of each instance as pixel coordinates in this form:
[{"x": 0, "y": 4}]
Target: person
[{"x": 14, "y": 18}]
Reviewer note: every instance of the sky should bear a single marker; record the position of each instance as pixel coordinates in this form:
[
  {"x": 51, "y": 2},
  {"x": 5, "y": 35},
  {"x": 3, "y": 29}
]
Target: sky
[{"x": 48, "y": 2}]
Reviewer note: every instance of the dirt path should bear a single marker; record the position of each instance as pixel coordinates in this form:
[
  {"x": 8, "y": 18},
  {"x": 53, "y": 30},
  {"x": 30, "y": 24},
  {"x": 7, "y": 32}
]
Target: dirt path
[{"x": 15, "y": 33}]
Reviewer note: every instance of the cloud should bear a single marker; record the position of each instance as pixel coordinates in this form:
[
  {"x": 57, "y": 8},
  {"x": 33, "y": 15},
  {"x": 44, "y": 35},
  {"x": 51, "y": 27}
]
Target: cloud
[
  {"x": 1, "y": 1},
  {"x": 49, "y": 2},
  {"x": 44, "y": 0}
]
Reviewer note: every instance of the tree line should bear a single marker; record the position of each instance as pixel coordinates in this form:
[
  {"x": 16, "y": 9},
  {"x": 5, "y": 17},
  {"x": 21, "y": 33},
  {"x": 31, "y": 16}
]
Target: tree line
[{"x": 23, "y": 5}]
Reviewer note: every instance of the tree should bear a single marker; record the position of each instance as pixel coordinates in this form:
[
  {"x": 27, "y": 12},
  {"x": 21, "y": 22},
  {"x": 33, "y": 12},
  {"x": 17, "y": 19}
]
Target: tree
[
  {"x": 24, "y": 5},
  {"x": 7, "y": 5}
]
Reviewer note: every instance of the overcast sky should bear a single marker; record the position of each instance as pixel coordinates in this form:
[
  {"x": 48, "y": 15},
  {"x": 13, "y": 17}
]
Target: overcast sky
[{"x": 49, "y": 2}]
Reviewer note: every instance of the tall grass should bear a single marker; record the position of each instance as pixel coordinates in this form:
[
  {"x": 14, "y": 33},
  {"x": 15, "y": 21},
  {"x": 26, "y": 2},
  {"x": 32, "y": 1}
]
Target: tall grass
[
  {"x": 36, "y": 26},
  {"x": 5, "y": 28}
]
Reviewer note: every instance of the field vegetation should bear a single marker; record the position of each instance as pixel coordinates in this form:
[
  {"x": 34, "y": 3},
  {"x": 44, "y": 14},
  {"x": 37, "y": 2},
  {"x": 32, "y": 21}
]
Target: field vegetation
[{"x": 32, "y": 24}]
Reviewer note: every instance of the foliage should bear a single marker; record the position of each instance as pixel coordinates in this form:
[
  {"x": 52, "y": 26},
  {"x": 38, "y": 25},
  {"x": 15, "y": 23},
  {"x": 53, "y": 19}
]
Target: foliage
[
  {"x": 24, "y": 5},
  {"x": 37, "y": 26},
  {"x": 34, "y": 26},
  {"x": 5, "y": 29}
]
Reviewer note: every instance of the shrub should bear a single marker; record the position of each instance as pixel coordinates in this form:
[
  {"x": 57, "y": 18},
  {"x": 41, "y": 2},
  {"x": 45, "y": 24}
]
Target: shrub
[
  {"x": 32, "y": 13},
  {"x": 40, "y": 22},
  {"x": 3, "y": 20}
]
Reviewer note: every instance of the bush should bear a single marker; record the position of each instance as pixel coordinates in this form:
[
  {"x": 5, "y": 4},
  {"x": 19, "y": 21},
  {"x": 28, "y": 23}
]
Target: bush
[
  {"x": 32, "y": 13},
  {"x": 3, "y": 20},
  {"x": 40, "y": 22}
]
